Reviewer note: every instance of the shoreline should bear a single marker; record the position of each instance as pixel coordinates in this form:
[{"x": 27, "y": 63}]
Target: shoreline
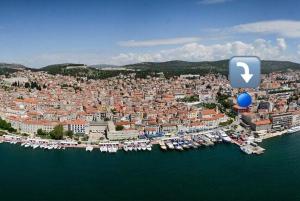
[{"x": 165, "y": 143}]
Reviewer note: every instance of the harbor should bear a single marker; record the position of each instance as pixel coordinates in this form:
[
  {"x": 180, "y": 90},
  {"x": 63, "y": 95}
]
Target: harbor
[{"x": 180, "y": 142}]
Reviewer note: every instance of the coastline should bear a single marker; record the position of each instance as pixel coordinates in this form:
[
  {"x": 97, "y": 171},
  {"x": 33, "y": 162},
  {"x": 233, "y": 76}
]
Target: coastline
[{"x": 163, "y": 142}]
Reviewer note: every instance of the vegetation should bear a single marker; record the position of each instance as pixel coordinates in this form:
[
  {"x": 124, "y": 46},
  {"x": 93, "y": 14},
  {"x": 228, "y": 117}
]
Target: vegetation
[
  {"x": 6, "y": 126},
  {"x": 226, "y": 123},
  {"x": 119, "y": 127},
  {"x": 281, "y": 91},
  {"x": 193, "y": 98},
  {"x": 69, "y": 133},
  {"x": 169, "y": 69},
  {"x": 223, "y": 102},
  {"x": 31, "y": 85},
  {"x": 209, "y": 105},
  {"x": 57, "y": 133}
]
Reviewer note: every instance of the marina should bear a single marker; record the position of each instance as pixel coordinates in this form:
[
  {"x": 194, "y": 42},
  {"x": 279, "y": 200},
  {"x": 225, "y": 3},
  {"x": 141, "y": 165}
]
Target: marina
[{"x": 179, "y": 142}]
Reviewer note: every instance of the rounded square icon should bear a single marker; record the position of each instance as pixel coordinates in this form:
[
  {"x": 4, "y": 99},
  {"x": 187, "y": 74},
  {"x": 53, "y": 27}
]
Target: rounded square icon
[{"x": 244, "y": 72}]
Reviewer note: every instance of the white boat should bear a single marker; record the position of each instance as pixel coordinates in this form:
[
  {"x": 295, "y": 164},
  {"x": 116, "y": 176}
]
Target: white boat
[
  {"x": 149, "y": 148},
  {"x": 162, "y": 145},
  {"x": 114, "y": 149},
  {"x": 89, "y": 148},
  {"x": 125, "y": 148},
  {"x": 257, "y": 140},
  {"x": 293, "y": 129},
  {"x": 225, "y": 137},
  {"x": 170, "y": 145},
  {"x": 246, "y": 149},
  {"x": 35, "y": 146},
  {"x": 27, "y": 145}
]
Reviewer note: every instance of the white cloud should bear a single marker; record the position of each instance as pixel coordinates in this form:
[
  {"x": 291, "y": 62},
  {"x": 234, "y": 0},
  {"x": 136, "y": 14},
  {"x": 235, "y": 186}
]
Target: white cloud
[
  {"x": 200, "y": 52},
  {"x": 158, "y": 42},
  {"x": 207, "y": 2},
  {"x": 281, "y": 43},
  {"x": 285, "y": 28},
  {"x": 298, "y": 51}
]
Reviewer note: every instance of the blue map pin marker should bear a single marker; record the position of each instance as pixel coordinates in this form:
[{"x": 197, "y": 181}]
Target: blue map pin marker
[{"x": 244, "y": 99}]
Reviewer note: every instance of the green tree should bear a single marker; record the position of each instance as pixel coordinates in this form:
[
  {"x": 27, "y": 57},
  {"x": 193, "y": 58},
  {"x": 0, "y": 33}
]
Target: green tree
[
  {"x": 69, "y": 133},
  {"x": 6, "y": 126},
  {"x": 57, "y": 133},
  {"x": 27, "y": 85},
  {"x": 40, "y": 132},
  {"x": 119, "y": 127}
]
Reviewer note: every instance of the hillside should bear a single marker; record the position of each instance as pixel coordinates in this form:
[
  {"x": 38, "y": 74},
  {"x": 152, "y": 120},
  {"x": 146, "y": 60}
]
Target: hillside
[
  {"x": 80, "y": 70},
  {"x": 179, "y": 67},
  {"x": 7, "y": 68},
  {"x": 169, "y": 68},
  {"x": 12, "y": 66}
]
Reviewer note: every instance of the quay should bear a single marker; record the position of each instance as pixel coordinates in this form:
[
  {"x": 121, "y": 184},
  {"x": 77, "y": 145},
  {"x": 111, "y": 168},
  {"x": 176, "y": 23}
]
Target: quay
[{"x": 179, "y": 142}]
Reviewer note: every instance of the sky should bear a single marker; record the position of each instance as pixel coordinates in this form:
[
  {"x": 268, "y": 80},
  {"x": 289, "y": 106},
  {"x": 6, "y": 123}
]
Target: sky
[{"x": 38, "y": 33}]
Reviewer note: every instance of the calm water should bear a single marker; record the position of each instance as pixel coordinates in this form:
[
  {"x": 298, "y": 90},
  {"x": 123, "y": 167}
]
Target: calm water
[{"x": 218, "y": 173}]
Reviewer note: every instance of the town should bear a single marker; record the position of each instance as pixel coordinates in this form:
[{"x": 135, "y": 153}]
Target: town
[{"x": 38, "y": 109}]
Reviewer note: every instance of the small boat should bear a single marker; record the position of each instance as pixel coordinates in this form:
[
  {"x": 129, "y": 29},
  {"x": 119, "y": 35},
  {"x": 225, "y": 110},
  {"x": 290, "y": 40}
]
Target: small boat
[
  {"x": 170, "y": 145},
  {"x": 162, "y": 145},
  {"x": 35, "y": 146},
  {"x": 149, "y": 148},
  {"x": 27, "y": 145},
  {"x": 125, "y": 148},
  {"x": 89, "y": 148},
  {"x": 257, "y": 140}
]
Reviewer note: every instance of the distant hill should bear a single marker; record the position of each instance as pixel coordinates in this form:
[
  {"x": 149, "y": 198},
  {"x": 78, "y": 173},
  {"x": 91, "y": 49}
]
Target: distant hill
[
  {"x": 100, "y": 66},
  {"x": 58, "y": 67},
  {"x": 142, "y": 70},
  {"x": 12, "y": 66},
  {"x": 80, "y": 70},
  {"x": 179, "y": 67},
  {"x": 6, "y": 68}
]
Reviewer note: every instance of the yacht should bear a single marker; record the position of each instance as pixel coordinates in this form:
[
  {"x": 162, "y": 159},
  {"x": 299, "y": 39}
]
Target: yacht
[
  {"x": 225, "y": 137},
  {"x": 246, "y": 149},
  {"x": 293, "y": 129}
]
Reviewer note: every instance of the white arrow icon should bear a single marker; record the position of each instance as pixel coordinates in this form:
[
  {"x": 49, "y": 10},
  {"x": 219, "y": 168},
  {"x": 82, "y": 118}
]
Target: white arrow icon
[{"x": 246, "y": 76}]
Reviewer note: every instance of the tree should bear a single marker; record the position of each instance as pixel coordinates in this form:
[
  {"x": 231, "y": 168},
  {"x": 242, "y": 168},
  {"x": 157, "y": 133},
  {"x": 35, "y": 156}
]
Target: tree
[
  {"x": 119, "y": 127},
  {"x": 57, "y": 133},
  {"x": 6, "y": 126},
  {"x": 27, "y": 85},
  {"x": 69, "y": 133},
  {"x": 40, "y": 132}
]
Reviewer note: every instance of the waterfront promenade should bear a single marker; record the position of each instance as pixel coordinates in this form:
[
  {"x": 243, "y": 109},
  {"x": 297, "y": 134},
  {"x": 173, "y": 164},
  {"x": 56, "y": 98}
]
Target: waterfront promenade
[{"x": 177, "y": 142}]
